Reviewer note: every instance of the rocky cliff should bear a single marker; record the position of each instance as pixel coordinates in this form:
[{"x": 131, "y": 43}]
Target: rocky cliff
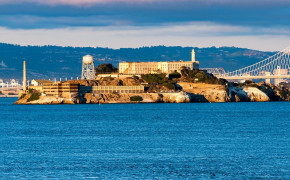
[
  {"x": 191, "y": 92},
  {"x": 251, "y": 92}
]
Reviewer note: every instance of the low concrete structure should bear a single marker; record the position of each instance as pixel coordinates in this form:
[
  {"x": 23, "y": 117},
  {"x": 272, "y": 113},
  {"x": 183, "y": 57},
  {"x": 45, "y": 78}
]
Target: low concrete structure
[{"x": 112, "y": 89}]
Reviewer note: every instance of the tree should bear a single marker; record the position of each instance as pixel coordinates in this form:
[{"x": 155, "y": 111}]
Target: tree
[
  {"x": 105, "y": 68},
  {"x": 174, "y": 75},
  {"x": 136, "y": 98}
]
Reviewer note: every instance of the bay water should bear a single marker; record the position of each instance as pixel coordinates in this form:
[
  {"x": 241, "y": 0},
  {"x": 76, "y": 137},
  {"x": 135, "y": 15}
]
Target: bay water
[{"x": 145, "y": 141}]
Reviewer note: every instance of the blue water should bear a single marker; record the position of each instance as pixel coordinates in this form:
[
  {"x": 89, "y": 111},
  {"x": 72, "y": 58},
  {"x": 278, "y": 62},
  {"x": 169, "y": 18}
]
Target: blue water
[{"x": 147, "y": 141}]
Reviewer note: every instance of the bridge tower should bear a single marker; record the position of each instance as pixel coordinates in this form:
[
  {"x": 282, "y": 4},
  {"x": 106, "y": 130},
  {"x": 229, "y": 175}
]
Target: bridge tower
[{"x": 88, "y": 69}]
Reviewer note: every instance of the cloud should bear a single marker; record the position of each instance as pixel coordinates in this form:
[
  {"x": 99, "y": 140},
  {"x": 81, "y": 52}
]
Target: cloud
[
  {"x": 93, "y": 2},
  {"x": 78, "y": 2},
  {"x": 202, "y": 34},
  {"x": 133, "y": 23},
  {"x": 35, "y": 16}
]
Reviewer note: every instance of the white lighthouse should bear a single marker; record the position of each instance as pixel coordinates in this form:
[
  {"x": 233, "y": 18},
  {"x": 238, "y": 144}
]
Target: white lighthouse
[
  {"x": 192, "y": 55},
  {"x": 88, "y": 68},
  {"x": 24, "y": 76}
]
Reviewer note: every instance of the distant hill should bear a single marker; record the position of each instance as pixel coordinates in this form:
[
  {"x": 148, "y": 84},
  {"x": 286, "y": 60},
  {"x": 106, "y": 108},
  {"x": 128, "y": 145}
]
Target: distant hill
[{"x": 59, "y": 62}]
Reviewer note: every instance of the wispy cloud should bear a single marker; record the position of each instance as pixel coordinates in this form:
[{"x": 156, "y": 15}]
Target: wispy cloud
[
  {"x": 78, "y": 2},
  {"x": 132, "y": 23},
  {"x": 29, "y": 16},
  {"x": 193, "y": 34},
  {"x": 93, "y": 2}
]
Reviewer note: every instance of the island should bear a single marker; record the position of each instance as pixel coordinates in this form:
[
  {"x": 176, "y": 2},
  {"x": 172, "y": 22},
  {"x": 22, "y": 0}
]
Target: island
[{"x": 186, "y": 86}]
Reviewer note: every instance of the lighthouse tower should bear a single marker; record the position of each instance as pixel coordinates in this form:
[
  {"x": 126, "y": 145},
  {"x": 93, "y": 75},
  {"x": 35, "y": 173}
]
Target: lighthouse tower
[
  {"x": 24, "y": 76},
  {"x": 192, "y": 55},
  {"x": 88, "y": 69}
]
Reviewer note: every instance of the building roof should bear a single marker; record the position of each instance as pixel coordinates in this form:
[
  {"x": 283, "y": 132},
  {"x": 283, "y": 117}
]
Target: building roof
[{"x": 42, "y": 80}]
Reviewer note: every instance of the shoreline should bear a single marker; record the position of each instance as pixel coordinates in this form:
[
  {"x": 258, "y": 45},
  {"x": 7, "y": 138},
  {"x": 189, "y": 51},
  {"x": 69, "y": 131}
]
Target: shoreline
[{"x": 8, "y": 96}]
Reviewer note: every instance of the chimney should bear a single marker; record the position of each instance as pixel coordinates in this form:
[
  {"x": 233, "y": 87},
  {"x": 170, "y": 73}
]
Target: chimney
[{"x": 24, "y": 76}]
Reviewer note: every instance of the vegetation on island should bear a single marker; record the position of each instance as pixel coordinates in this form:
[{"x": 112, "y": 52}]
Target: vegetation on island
[
  {"x": 158, "y": 82},
  {"x": 105, "y": 68},
  {"x": 162, "y": 82},
  {"x": 34, "y": 96},
  {"x": 136, "y": 98},
  {"x": 174, "y": 75},
  {"x": 196, "y": 75}
]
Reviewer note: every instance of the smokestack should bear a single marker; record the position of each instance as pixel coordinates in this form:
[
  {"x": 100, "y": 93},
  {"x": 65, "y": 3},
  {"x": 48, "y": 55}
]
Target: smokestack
[{"x": 24, "y": 76}]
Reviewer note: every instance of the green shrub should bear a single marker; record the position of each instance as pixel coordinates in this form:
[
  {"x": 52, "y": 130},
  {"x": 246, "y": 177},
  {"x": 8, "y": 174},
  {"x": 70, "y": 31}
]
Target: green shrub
[
  {"x": 136, "y": 98},
  {"x": 30, "y": 90},
  {"x": 120, "y": 83},
  {"x": 136, "y": 77},
  {"x": 188, "y": 75},
  {"x": 169, "y": 85},
  {"x": 22, "y": 96},
  {"x": 175, "y": 75},
  {"x": 33, "y": 97},
  {"x": 154, "y": 78},
  {"x": 105, "y": 68},
  {"x": 283, "y": 94}
]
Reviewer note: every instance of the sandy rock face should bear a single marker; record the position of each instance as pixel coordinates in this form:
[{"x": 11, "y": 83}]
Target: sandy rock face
[
  {"x": 181, "y": 97},
  {"x": 237, "y": 94},
  {"x": 201, "y": 92},
  {"x": 245, "y": 94},
  {"x": 84, "y": 82},
  {"x": 45, "y": 100},
  {"x": 256, "y": 95},
  {"x": 90, "y": 98},
  {"x": 130, "y": 82}
]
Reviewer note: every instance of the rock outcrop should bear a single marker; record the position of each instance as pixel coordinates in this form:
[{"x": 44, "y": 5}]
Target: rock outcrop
[
  {"x": 191, "y": 92},
  {"x": 45, "y": 100},
  {"x": 246, "y": 94},
  {"x": 201, "y": 92}
]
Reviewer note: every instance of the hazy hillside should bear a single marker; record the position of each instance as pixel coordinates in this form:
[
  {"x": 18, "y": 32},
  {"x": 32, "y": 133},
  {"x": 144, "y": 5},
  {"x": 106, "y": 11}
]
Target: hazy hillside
[{"x": 56, "y": 62}]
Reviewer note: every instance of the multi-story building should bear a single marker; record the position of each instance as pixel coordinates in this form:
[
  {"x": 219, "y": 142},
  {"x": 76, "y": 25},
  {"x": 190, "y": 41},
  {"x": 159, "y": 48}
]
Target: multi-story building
[
  {"x": 157, "y": 67},
  {"x": 60, "y": 89}
]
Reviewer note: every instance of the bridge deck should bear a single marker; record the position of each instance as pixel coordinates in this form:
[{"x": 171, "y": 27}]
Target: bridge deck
[{"x": 255, "y": 77}]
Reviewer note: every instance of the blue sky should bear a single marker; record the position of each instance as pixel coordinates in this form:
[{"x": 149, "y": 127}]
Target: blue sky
[{"x": 259, "y": 24}]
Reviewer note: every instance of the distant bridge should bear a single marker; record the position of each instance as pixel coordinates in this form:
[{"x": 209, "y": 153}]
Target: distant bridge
[{"x": 274, "y": 67}]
